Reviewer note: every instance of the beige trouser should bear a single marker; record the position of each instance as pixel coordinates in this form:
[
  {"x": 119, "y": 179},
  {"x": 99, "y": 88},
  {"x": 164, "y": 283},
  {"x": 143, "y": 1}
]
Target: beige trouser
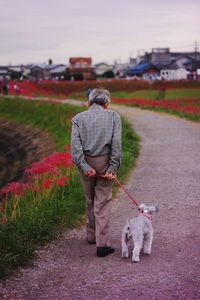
[{"x": 98, "y": 193}]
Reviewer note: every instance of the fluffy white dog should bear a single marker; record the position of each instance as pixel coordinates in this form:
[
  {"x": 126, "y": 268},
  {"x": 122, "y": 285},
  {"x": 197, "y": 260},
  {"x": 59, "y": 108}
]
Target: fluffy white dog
[{"x": 140, "y": 231}]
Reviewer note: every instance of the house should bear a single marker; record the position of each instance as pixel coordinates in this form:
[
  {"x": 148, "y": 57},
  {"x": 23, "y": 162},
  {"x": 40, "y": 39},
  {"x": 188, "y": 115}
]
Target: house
[
  {"x": 42, "y": 71},
  {"x": 39, "y": 72},
  {"x": 4, "y": 72},
  {"x": 163, "y": 56},
  {"x": 173, "y": 72},
  {"x": 145, "y": 71},
  {"x": 58, "y": 73},
  {"x": 122, "y": 69},
  {"x": 15, "y": 72},
  {"x": 160, "y": 56},
  {"x": 26, "y": 71},
  {"x": 182, "y": 61},
  {"x": 81, "y": 68},
  {"x": 102, "y": 68},
  {"x": 192, "y": 67}
]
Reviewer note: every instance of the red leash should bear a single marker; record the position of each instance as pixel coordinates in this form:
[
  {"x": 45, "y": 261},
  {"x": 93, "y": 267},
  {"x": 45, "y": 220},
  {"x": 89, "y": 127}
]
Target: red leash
[
  {"x": 123, "y": 188},
  {"x": 127, "y": 193}
]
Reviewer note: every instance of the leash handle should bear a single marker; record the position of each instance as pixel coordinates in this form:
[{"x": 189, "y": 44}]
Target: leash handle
[{"x": 127, "y": 193}]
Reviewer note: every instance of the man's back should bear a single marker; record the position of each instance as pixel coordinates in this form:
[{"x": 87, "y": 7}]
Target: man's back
[{"x": 96, "y": 129}]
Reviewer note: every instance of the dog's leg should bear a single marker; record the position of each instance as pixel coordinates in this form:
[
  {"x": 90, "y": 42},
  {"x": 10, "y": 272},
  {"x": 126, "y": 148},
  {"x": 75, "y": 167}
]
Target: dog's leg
[
  {"x": 138, "y": 240},
  {"x": 124, "y": 244},
  {"x": 148, "y": 243}
]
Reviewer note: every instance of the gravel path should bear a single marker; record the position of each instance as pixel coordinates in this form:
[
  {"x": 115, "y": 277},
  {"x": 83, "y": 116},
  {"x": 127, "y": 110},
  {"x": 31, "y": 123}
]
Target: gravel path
[{"x": 168, "y": 174}]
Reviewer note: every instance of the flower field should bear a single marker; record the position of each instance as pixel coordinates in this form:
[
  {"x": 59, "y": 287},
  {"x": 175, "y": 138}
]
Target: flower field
[
  {"x": 187, "y": 108},
  {"x": 50, "y": 199},
  {"x": 177, "y": 97}
]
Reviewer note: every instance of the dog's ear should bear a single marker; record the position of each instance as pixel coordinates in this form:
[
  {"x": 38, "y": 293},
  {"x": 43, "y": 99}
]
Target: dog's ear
[
  {"x": 157, "y": 208},
  {"x": 141, "y": 207}
]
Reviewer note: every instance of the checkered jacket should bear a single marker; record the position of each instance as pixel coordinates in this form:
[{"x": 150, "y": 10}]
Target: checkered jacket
[{"x": 96, "y": 132}]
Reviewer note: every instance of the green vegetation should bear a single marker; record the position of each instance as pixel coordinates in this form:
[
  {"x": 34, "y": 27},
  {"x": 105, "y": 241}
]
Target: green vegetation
[
  {"x": 144, "y": 94},
  {"x": 170, "y": 94},
  {"x": 64, "y": 207},
  {"x": 182, "y": 94},
  {"x": 154, "y": 94},
  {"x": 47, "y": 116}
]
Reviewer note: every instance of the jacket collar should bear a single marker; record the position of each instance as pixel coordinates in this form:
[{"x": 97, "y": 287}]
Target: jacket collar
[{"x": 95, "y": 106}]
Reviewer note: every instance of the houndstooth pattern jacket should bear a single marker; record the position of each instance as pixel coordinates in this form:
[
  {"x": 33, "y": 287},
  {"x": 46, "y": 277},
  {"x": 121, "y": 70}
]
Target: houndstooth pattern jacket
[{"x": 96, "y": 132}]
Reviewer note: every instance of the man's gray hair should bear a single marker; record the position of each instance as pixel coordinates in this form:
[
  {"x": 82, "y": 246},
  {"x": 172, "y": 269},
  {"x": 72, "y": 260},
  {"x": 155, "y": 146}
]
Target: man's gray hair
[{"x": 99, "y": 96}]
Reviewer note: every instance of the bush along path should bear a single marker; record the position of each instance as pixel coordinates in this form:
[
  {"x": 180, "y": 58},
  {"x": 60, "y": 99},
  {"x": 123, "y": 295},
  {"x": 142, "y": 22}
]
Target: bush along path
[{"x": 167, "y": 174}]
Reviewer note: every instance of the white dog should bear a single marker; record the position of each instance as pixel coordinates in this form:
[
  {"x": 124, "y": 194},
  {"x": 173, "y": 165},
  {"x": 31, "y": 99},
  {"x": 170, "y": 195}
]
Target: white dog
[{"x": 140, "y": 231}]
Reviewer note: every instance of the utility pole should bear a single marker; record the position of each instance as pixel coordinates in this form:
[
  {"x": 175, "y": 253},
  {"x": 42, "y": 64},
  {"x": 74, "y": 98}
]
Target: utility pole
[{"x": 196, "y": 49}]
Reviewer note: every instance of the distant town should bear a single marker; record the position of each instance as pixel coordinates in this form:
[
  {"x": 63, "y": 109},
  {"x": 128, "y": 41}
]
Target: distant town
[{"x": 159, "y": 64}]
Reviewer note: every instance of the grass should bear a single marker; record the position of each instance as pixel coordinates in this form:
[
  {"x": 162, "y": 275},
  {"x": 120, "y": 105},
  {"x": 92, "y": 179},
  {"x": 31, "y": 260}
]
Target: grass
[
  {"x": 170, "y": 94},
  {"x": 152, "y": 94},
  {"x": 182, "y": 94},
  {"x": 60, "y": 209},
  {"x": 144, "y": 94},
  {"x": 46, "y": 116}
]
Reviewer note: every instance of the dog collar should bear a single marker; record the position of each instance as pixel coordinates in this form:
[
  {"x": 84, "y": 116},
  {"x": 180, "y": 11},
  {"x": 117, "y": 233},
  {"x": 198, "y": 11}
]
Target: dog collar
[{"x": 148, "y": 216}]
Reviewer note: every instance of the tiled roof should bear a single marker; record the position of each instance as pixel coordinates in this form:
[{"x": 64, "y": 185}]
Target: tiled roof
[
  {"x": 59, "y": 69},
  {"x": 74, "y": 60}
]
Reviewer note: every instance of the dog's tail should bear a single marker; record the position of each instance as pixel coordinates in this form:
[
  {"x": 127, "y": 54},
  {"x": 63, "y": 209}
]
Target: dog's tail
[{"x": 128, "y": 223}]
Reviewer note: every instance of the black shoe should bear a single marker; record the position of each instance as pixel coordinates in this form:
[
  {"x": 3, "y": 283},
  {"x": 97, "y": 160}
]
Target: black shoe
[
  {"x": 104, "y": 251},
  {"x": 92, "y": 242}
]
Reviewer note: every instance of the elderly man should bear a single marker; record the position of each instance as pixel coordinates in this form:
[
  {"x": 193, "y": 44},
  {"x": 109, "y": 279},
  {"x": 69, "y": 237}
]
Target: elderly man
[{"x": 96, "y": 150}]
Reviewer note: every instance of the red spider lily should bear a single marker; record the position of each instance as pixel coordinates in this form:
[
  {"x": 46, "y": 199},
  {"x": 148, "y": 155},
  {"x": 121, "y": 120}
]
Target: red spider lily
[
  {"x": 191, "y": 109},
  {"x": 35, "y": 189},
  {"x": 59, "y": 160},
  {"x": 59, "y": 182},
  {"x": 62, "y": 181},
  {"x": 177, "y": 104},
  {"x": 41, "y": 168},
  {"x": 48, "y": 183},
  {"x": 14, "y": 188},
  {"x": 2, "y": 209}
]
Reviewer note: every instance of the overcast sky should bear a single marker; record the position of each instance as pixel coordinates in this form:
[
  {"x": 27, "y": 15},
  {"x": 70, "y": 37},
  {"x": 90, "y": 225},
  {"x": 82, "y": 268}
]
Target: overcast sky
[{"x": 36, "y": 30}]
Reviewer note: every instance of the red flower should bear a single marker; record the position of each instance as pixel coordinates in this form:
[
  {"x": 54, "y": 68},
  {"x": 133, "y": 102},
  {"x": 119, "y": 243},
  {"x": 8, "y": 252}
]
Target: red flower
[
  {"x": 61, "y": 181},
  {"x": 35, "y": 189},
  {"x": 41, "y": 168},
  {"x": 59, "y": 159},
  {"x": 48, "y": 183},
  {"x": 14, "y": 188}
]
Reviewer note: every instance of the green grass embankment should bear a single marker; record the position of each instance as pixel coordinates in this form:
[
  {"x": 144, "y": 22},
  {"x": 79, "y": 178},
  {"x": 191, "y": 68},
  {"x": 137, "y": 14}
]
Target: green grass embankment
[{"x": 64, "y": 207}]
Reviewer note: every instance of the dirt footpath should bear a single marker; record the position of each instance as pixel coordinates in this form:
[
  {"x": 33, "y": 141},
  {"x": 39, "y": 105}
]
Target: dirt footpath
[{"x": 167, "y": 174}]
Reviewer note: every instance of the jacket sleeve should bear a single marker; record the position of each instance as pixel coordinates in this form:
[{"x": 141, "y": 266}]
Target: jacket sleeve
[
  {"x": 78, "y": 156},
  {"x": 116, "y": 148}
]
